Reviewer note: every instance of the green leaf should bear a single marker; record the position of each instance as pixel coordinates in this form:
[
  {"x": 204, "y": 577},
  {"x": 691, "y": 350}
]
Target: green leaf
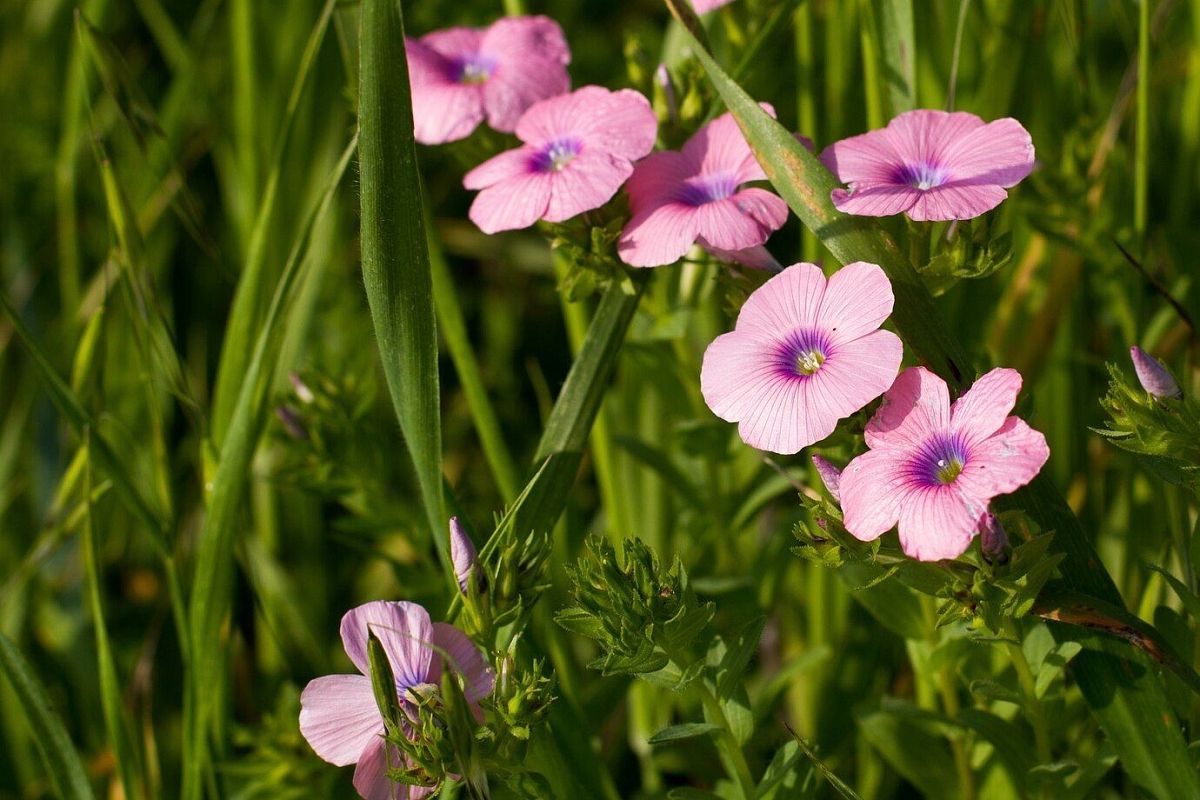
[
  {"x": 62, "y": 761},
  {"x": 922, "y": 758},
  {"x": 894, "y": 605},
  {"x": 395, "y": 256},
  {"x": 686, "y": 730},
  {"x": 1134, "y": 712},
  {"x": 737, "y": 656},
  {"x": 899, "y": 53}
]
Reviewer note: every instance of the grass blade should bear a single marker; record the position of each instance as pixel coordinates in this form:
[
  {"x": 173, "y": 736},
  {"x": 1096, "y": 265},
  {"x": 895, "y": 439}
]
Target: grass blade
[
  {"x": 62, "y": 760},
  {"x": 898, "y": 37},
  {"x": 212, "y": 583},
  {"x": 1130, "y": 706},
  {"x": 395, "y": 256}
]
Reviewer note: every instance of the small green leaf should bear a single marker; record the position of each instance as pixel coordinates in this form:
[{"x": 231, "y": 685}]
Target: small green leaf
[{"x": 686, "y": 730}]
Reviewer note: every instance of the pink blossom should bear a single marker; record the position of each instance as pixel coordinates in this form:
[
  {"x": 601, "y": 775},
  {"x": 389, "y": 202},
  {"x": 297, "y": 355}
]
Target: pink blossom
[
  {"x": 460, "y": 76},
  {"x": 933, "y": 467},
  {"x": 805, "y": 352},
  {"x": 831, "y": 476},
  {"x": 578, "y": 149},
  {"x": 704, "y": 6},
  {"x": 931, "y": 165},
  {"x": 338, "y": 714},
  {"x": 679, "y": 198}
]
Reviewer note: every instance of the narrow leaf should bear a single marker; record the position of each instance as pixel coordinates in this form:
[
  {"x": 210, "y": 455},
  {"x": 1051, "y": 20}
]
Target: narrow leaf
[
  {"x": 62, "y": 761},
  {"x": 686, "y": 730},
  {"x": 395, "y": 257}
]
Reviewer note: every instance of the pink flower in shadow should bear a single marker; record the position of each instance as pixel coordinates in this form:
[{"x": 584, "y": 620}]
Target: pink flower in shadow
[
  {"x": 931, "y": 165},
  {"x": 461, "y": 76},
  {"x": 679, "y": 198},
  {"x": 805, "y": 353},
  {"x": 578, "y": 149},
  {"x": 338, "y": 714},
  {"x": 933, "y": 467}
]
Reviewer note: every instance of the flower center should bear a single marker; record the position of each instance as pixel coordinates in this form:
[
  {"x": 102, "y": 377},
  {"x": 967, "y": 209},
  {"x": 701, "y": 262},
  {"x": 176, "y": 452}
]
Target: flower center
[
  {"x": 922, "y": 175},
  {"x": 702, "y": 189},
  {"x": 554, "y": 156},
  {"x": 474, "y": 69},
  {"x": 939, "y": 461},
  {"x": 801, "y": 353}
]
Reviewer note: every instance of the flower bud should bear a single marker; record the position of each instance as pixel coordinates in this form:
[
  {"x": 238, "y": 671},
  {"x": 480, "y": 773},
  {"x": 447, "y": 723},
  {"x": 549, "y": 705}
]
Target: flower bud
[
  {"x": 993, "y": 540},
  {"x": 462, "y": 553},
  {"x": 301, "y": 389},
  {"x": 831, "y": 476},
  {"x": 1153, "y": 376},
  {"x": 662, "y": 81}
]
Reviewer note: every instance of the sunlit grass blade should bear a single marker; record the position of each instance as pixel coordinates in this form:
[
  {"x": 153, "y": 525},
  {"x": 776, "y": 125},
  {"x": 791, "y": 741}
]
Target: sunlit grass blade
[
  {"x": 899, "y": 53},
  {"x": 110, "y": 686},
  {"x": 1131, "y": 707},
  {"x": 68, "y": 405},
  {"x": 62, "y": 760},
  {"x": 395, "y": 256},
  {"x": 212, "y": 584}
]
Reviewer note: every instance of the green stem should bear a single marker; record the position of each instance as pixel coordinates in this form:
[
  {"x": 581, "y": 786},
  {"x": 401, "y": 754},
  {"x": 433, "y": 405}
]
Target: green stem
[
  {"x": 730, "y": 751},
  {"x": 1025, "y": 677},
  {"x": 454, "y": 333},
  {"x": 1141, "y": 178}
]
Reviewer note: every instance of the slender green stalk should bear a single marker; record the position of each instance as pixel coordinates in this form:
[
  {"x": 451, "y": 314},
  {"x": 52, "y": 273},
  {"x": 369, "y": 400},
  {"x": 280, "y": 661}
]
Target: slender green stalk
[
  {"x": 1028, "y": 683},
  {"x": 952, "y": 85},
  {"x": 806, "y": 104},
  {"x": 869, "y": 36},
  {"x": 1141, "y": 174},
  {"x": 454, "y": 333},
  {"x": 730, "y": 751}
]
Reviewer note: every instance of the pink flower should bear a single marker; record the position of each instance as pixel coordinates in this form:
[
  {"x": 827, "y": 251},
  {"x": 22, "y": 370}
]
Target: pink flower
[
  {"x": 931, "y": 165},
  {"x": 934, "y": 467},
  {"x": 578, "y": 150},
  {"x": 704, "y": 6},
  {"x": 804, "y": 354},
  {"x": 679, "y": 198},
  {"x": 459, "y": 76},
  {"x": 338, "y": 714}
]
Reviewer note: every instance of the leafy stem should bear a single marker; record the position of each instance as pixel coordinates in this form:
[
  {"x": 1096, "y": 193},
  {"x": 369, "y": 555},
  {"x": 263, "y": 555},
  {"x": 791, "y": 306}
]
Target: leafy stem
[{"x": 730, "y": 751}]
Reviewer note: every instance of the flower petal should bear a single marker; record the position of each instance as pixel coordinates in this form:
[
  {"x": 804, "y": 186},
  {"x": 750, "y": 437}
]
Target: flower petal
[
  {"x": 404, "y": 630},
  {"x": 787, "y": 301},
  {"x": 517, "y": 85},
  {"x": 757, "y": 257},
  {"x": 370, "y": 776},
  {"x": 858, "y": 371},
  {"x": 339, "y": 717},
  {"x": 869, "y": 158},
  {"x": 658, "y": 236},
  {"x": 875, "y": 200},
  {"x": 871, "y": 488},
  {"x": 521, "y": 37},
  {"x": 511, "y": 204},
  {"x": 465, "y": 658},
  {"x": 704, "y": 6},
  {"x": 591, "y": 179},
  {"x": 618, "y": 122},
  {"x": 1000, "y": 152},
  {"x": 443, "y": 111},
  {"x": 1005, "y": 461},
  {"x": 913, "y": 410},
  {"x": 939, "y": 522},
  {"x": 513, "y": 163},
  {"x": 858, "y": 298},
  {"x": 720, "y": 147},
  {"x": 657, "y": 179},
  {"x": 746, "y": 219},
  {"x": 955, "y": 201},
  {"x": 984, "y": 407}
]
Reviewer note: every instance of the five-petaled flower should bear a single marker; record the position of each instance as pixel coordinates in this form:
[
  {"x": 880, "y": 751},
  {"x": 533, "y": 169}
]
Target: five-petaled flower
[
  {"x": 931, "y": 165},
  {"x": 804, "y": 353},
  {"x": 933, "y": 467},
  {"x": 578, "y": 149},
  {"x": 339, "y": 716},
  {"x": 679, "y": 198},
  {"x": 460, "y": 76}
]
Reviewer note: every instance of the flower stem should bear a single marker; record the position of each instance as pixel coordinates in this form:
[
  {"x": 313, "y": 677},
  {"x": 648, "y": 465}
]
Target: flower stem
[
  {"x": 1025, "y": 677},
  {"x": 730, "y": 751}
]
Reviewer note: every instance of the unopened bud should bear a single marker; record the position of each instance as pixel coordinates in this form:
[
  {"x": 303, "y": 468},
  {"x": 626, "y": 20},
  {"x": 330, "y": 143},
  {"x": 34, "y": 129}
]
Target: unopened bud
[
  {"x": 1153, "y": 376},
  {"x": 292, "y": 422},
  {"x": 462, "y": 553},
  {"x": 662, "y": 78},
  {"x": 301, "y": 388},
  {"x": 831, "y": 476},
  {"x": 993, "y": 540}
]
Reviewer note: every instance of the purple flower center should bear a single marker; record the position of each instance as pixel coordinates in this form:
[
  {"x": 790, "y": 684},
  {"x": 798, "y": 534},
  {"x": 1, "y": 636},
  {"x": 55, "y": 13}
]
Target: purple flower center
[
  {"x": 703, "y": 189},
  {"x": 554, "y": 156},
  {"x": 922, "y": 175},
  {"x": 472, "y": 69},
  {"x": 939, "y": 461},
  {"x": 802, "y": 352}
]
